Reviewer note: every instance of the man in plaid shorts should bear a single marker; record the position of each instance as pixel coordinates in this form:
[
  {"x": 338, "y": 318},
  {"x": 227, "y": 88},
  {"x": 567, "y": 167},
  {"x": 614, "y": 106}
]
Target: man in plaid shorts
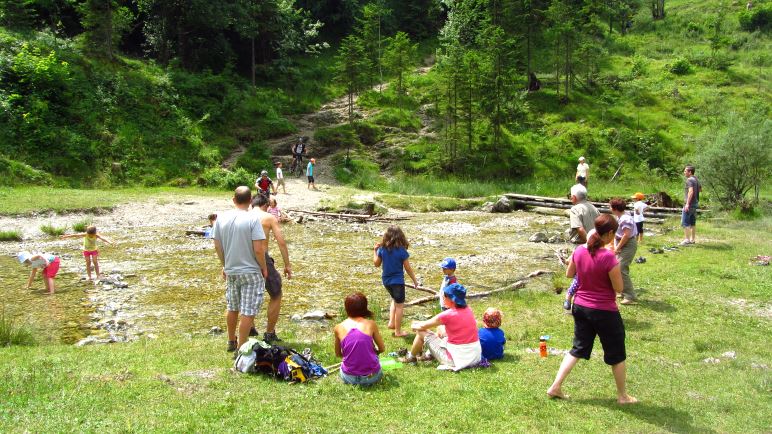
[{"x": 238, "y": 237}]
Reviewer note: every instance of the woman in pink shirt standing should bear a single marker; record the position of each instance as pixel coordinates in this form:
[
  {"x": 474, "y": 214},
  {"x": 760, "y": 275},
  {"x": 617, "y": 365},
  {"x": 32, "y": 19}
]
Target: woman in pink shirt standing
[
  {"x": 595, "y": 309},
  {"x": 455, "y": 344}
]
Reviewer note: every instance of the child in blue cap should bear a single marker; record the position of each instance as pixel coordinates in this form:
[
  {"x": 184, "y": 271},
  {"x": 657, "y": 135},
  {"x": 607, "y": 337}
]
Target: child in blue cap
[{"x": 448, "y": 266}]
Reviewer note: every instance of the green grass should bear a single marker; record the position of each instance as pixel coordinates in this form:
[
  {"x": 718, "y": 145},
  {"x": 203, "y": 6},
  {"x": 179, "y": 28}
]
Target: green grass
[
  {"x": 10, "y": 235},
  {"x": 80, "y": 226},
  {"x": 52, "y": 230},
  {"x": 23, "y": 200},
  {"x": 12, "y": 333},
  {"x": 696, "y": 303}
]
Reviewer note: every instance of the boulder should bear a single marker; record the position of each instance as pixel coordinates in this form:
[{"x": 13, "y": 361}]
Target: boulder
[
  {"x": 538, "y": 237},
  {"x": 555, "y": 239},
  {"x": 317, "y": 315},
  {"x": 502, "y": 205},
  {"x": 487, "y": 207}
]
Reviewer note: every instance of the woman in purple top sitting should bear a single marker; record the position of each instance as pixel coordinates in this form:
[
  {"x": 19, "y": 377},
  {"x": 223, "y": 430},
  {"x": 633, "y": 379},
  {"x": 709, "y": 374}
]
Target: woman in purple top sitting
[
  {"x": 595, "y": 309},
  {"x": 356, "y": 339}
]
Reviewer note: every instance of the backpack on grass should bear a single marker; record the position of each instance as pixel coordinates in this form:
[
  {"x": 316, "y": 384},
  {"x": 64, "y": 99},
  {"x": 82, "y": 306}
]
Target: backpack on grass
[{"x": 278, "y": 362}]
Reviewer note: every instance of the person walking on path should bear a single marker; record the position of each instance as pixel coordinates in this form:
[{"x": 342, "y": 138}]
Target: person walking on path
[
  {"x": 639, "y": 207},
  {"x": 264, "y": 184},
  {"x": 595, "y": 310},
  {"x": 692, "y": 189},
  {"x": 625, "y": 246},
  {"x": 279, "y": 179},
  {"x": 238, "y": 241},
  {"x": 582, "y": 215},
  {"x": 310, "y": 174},
  {"x": 582, "y": 172},
  {"x": 273, "y": 283},
  {"x": 356, "y": 339}
]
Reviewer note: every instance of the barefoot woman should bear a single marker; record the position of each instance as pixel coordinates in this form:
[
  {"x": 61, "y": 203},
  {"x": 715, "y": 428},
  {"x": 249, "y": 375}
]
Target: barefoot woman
[{"x": 595, "y": 309}]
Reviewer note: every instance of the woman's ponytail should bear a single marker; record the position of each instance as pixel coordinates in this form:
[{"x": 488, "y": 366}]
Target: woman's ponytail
[{"x": 604, "y": 224}]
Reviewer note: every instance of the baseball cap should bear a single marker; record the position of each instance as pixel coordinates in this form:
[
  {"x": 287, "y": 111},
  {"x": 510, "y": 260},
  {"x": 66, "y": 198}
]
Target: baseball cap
[
  {"x": 639, "y": 196},
  {"x": 448, "y": 263},
  {"x": 457, "y": 293}
]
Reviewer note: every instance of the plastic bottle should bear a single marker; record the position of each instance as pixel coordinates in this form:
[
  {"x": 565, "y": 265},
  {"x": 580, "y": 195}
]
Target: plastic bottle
[{"x": 543, "y": 345}]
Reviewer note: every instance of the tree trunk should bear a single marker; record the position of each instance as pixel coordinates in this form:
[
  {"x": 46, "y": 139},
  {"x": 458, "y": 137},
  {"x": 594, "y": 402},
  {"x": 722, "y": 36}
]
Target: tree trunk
[
  {"x": 109, "y": 29},
  {"x": 252, "y": 41}
]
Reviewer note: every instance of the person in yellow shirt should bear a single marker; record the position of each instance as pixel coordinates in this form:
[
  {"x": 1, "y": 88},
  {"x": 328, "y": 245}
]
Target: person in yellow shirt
[{"x": 90, "y": 249}]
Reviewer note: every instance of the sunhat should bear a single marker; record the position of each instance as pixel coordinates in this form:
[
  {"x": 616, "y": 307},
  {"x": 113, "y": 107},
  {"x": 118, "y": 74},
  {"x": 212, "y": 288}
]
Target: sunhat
[
  {"x": 23, "y": 256},
  {"x": 448, "y": 263},
  {"x": 581, "y": 158},
  {"x": 457, "y": 293}
]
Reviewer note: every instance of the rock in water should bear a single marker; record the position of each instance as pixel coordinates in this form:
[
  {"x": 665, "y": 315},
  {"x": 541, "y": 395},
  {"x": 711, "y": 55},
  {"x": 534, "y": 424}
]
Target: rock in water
[
  {"x": 538, "y": 237},
  {"x": 502, "y": 205}
]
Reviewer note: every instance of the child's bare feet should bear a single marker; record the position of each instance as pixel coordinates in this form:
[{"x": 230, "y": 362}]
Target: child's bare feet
[
  {"x": 400, "y": 334},
  {"x": 626, "y": 399},
  {"x": 556, "y": 394},
  {"x": 391, "y": 326}
]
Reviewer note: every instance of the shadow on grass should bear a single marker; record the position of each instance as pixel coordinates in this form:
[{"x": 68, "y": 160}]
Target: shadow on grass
[
  {"x": 633, "y": 324},
  {"x": 722, "y": 247},
  {"x": 656, "y": 305},
  {"x": 667, "y": 418}
]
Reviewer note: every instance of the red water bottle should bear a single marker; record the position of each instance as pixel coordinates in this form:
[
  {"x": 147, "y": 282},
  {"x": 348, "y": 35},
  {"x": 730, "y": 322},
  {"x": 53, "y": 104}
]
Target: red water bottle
[{"x": 543, "y": 345}]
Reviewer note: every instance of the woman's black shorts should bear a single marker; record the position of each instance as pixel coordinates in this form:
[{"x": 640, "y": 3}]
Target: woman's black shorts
[
  {"x": 605, "y": 324},
  {"x": 639, "y": 226},
  {"x": 397, "y": 292}
]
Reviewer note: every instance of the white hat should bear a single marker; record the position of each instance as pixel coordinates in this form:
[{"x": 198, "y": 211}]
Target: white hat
[
  {"x": 581, "y": 158},
  {"x": 23, "y": 256}
]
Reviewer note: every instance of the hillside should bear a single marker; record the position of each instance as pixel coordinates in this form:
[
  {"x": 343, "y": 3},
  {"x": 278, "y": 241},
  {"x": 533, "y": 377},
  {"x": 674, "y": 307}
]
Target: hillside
[{"x": 639, "y": 97}]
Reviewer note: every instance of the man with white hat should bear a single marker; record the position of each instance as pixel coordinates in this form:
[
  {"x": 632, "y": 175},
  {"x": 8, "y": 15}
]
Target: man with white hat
[{"x": 582, "y": 172}]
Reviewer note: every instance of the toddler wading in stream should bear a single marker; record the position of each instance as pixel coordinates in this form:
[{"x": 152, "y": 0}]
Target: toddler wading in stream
[
  {"x": 391, "y": 254},
  {"x": 90, "y": 249}
]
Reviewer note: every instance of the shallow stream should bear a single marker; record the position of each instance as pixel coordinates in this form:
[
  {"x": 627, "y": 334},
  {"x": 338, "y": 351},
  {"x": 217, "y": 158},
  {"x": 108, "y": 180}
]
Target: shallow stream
[{"x": 174, "y": 284}]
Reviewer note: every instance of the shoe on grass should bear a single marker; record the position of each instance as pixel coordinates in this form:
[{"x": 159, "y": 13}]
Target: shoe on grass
[
  {"x": 409, "y": 358},
  {"x": 253, "y": 332},
  {"x": 231, "y": 346},
  {"x": 270, "y": 337}
]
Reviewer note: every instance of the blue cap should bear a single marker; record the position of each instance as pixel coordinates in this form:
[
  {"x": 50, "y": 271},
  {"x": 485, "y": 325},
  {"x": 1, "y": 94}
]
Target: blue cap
[
  {"x": 448, "y": 263},
  {"x": 457, "y": 293}
]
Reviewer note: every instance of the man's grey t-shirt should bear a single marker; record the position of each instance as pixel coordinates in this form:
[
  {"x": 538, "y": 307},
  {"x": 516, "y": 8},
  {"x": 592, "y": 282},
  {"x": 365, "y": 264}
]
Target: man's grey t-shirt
[
  {"x": 692, "y": 182},
  {"x": 583, "y": 214},
  {"x": 236, "y": 229}
]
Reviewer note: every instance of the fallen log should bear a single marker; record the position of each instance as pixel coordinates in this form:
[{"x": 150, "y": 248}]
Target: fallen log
[
  {"x": 650, "y": 217},
  {"x": 652, "y": 210},
  {"x": 421, "y": 288},
  {"x": 194, "y": 232},
  {"x": 520, "y": 283}
]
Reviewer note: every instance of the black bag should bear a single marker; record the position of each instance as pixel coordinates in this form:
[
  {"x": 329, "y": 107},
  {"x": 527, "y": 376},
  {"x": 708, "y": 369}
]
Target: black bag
[{"x": 269, "y": 357}]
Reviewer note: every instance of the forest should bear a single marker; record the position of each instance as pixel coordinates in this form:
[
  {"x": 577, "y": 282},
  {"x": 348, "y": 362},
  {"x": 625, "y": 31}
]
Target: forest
[{"x": 101, "y": 93}]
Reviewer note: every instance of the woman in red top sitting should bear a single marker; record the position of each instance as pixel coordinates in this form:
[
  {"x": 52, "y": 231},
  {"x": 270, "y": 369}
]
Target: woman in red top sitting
[{"x": 595, "y": 309}]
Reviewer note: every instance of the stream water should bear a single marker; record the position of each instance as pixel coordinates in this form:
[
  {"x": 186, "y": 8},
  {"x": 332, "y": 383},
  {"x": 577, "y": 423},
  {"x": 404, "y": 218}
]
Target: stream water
[{"x": 174, "y": 286}]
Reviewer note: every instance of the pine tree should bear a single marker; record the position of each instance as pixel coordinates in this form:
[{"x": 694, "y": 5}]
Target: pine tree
[{"x": 399, "y": 59}]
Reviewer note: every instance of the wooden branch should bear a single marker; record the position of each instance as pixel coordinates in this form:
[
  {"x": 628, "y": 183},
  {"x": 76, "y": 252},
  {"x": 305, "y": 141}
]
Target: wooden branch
[
  {"x": 421, "y": 288},
  {"x": 543, "y": 201},
  {"x": 520, "y": 283}
]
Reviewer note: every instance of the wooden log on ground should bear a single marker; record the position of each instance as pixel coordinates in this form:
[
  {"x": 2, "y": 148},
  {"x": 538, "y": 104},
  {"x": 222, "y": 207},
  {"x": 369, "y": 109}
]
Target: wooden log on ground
[
  {"x": 520, "y": 283},
  {"x": 194, "y": 232},
  {"x": 557, "y": 200},
  {"x": 650, "y": 217},
  {"x": 421, "y": 288}
]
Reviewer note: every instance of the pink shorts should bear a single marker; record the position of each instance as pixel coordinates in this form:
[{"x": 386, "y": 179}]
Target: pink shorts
[
  {"x": 87, "y": 253},
  {"x": 52, "y": 268}
]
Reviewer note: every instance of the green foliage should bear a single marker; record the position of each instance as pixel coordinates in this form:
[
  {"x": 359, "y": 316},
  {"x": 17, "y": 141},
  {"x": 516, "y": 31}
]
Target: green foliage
[
  {"x": 737, "y": 158},
  {"x": 357, "y": 171},
  {"x": 368, "y": 133},
  {"x": 54, "y": 231},
  {"x": 399, "y": 118},
  {"x": 12, "y": 333},
  {"x": 352, "y": 69},
  {"x": 758, "y": 18},
  {"x": 10, "y": 235},
  {"x": 16, "y": 173},
  {"x": 680, "y": 66},
  {"x": 81, "y": 225},
  {"x": 428, "y": 204},
  {"x": 256, "y": 159},
  {"x": 399, "y": 58},
  {"x": 341, "y": 136},
  {"x": 226, "y": 179}
]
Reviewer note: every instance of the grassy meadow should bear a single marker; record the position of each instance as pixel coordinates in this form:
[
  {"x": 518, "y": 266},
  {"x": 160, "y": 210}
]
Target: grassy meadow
[{"x": 698, "y": 360}]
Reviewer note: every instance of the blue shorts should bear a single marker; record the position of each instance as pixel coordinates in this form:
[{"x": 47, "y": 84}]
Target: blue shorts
[
  {"x": 361, "y": 380},
  {"x": 689, "y": 218}
]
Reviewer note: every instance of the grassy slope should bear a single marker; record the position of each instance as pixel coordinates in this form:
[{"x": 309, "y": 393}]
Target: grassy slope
[
  {"x": 684, "y": 317},
  {"x": 639, "y": 106}
]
